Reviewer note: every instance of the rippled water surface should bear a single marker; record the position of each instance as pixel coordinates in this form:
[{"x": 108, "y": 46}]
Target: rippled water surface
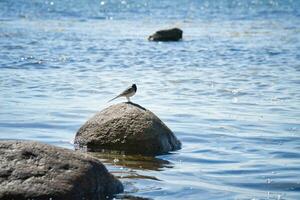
[{"x": 230, "y": 90}]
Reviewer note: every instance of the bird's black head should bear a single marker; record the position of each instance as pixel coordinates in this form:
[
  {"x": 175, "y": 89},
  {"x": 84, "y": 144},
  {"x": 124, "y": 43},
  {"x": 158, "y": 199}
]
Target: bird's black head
[{"x": 134, "y": 87}]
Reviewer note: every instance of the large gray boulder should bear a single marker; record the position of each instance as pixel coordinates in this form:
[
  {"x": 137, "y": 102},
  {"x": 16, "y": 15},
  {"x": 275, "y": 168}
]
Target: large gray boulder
[
  {"x": 32, "y": 170},
  {"x": 127, "y": 127},
  {"x": 173, "y": 34}
]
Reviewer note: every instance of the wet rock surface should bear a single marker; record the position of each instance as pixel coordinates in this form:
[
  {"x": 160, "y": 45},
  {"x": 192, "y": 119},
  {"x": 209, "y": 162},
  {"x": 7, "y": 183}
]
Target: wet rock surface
[
  {"x": 127, "y": 127},
  {"x": 32, "y": 170},
  {"x": 174, "y": 34}
]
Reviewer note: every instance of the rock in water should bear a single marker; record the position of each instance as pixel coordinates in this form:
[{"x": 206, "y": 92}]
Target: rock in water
[
  {"x": 32, "y": 170},
  {"x": 173, "y": 34},
  {"x": 127, "y": 127}
]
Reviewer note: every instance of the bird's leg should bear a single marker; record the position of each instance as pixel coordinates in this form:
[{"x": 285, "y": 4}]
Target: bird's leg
[{"x": 128, "y": 99}]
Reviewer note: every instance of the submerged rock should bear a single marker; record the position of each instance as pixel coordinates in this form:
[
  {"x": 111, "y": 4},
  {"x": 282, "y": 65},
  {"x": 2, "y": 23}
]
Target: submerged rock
[
  {"x": 173, "y": 34},
  {"x": 127, "y": 127},
  {"x": 32, "y": 170}
]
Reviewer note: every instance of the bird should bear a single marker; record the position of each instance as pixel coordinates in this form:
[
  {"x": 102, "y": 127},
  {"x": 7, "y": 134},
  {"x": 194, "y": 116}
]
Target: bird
[{"x": 129, "y": 92}]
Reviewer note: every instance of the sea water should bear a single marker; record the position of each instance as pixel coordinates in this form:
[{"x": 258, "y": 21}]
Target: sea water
[{"x": 230, "y": 90}]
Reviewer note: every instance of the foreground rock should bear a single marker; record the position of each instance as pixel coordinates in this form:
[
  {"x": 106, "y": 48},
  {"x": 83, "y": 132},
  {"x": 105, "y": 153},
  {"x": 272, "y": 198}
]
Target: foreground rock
[
  {"x": 127, "y": 127},
  {"x": 173, "y": 34},
  {"x": 31, "y": 170}
]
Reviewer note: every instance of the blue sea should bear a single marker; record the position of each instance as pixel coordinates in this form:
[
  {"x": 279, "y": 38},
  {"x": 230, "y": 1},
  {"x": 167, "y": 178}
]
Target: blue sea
[{"x": 230, "y": 90}]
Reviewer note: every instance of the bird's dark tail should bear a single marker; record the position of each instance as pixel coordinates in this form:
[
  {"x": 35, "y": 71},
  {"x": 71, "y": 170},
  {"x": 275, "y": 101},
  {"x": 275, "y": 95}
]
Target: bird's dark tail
[{"x": 114, "y": 98}]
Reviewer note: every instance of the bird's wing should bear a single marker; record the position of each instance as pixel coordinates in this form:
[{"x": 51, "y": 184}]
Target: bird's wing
[
  {"x": 127, "y": 91},
  {"x": 124, "y": 93}
]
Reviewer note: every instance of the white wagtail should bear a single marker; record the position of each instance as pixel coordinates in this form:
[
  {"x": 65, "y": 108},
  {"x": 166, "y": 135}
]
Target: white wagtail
[{"x": 129, "y": 92}]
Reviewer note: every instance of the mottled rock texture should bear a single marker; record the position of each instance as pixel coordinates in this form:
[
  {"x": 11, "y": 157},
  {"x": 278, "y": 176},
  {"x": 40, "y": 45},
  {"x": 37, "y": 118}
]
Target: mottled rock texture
[
  {"x": 32, "y": 170},
  {"x": 127, "y": 127},
  {"x": 173, "y": 34}
]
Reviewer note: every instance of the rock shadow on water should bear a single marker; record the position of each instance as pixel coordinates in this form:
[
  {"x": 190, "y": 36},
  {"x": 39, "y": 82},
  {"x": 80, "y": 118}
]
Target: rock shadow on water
[
  {"x": 132, "y": 161},
  {"x": 133, "y": 167},
  {"x": 130, "y": 197}
]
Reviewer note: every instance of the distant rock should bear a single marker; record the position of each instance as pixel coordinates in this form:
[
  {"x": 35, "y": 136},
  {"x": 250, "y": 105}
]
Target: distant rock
[
  {"x": 127, "y": 127},
  {"x": 32, "y": 170},
  {"x": 173, "y": 34}
]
